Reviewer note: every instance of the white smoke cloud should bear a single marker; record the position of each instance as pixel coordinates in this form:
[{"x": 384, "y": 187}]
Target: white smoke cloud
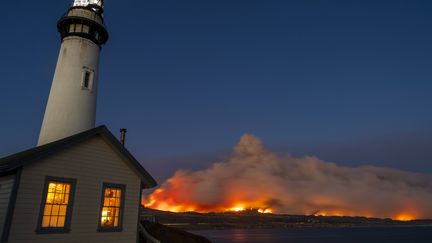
[{"x": 259, "y": 178}]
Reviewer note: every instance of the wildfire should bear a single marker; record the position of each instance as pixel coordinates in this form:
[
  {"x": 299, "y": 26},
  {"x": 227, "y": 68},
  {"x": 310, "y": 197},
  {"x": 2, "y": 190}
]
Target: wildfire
[
  {"x": 236, "y": 209},
  {"x": 155, "y": 201},
  {"x": 159, "y": 202},
  {"x": 267, "y": 210},
  {"x": 254, "y": 179},
  {"x": 334, "y": 213},
  {"x": 405, "y": 217}
]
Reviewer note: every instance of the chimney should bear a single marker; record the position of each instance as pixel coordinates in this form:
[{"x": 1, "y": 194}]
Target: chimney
[{"x": 123, "y": 136}]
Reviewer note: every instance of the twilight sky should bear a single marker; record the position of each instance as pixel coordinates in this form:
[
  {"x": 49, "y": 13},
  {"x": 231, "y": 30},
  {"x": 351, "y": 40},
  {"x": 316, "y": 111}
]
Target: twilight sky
[{"x": 348, "y": 81}]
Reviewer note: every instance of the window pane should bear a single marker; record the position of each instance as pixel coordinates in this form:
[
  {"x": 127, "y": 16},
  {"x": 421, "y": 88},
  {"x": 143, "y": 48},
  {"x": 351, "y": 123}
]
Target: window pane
[
  {"x": 59, "y": 188},
  {"x": 55, "y": 210},
  {"x": 50, "y": 198},
  {"x": 57, "y": 198},
  {"x": 78, "y": 28},
  {"x": 86, "y": 29},
  {"x": 53, "y": 221},
  {"x": 45, "y": 221},
  {"x": 47, "y": 210},
  {"x": 112, "y": 202},
  {"x": 51, "y": 187},
  {"x": 109, "y": 193},
  {"x": 61, "y": 221},
  {"x": 62, "y": 211},
  {"x": 71, "y": 28}
]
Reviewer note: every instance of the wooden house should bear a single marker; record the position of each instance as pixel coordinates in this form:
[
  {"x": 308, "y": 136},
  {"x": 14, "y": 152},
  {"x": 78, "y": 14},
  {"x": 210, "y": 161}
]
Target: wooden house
[{"x": 83, "y": 188}]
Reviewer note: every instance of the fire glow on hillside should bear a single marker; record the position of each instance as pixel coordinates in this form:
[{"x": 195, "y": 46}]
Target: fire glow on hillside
[
  {"x": 254, "y": 178},
  {"x": 158, "y": 200}
]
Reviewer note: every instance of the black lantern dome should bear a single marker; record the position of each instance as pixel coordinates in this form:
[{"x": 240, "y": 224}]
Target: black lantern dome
[{"x": 85, "y": 19}]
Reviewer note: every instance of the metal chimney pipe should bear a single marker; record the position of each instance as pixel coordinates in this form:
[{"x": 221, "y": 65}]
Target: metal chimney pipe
[{"x": 123, "y": 136}]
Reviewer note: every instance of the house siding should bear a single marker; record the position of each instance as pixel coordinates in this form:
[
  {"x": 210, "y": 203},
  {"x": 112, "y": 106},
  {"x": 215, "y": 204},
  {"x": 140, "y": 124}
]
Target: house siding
[
  {"x": 6, "y": 185},
  {"x": 91, "y": 163}
]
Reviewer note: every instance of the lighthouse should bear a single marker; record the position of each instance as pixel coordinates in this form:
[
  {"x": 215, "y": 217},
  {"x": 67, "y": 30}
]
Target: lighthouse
[
  {"x": 71, "y": 106},
  {"x": 39, "y": 197}
]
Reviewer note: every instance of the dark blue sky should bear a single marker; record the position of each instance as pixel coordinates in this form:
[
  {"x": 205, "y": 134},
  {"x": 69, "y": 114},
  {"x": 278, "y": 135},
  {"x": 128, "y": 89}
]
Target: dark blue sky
[{"x": 348, "y": 81}]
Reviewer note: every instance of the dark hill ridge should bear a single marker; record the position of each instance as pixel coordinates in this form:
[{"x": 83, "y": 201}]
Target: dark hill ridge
[{"x": 253, "y": 219}]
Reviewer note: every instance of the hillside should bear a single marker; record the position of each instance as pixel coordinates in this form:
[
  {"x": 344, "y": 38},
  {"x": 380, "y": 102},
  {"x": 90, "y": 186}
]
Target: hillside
[{"x": 253, "y": 219}]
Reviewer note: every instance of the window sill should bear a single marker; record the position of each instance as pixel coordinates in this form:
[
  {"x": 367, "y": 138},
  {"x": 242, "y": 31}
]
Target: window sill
[
  {"x": 107, "y": 229},
  {"x": 53, "y": 231}
]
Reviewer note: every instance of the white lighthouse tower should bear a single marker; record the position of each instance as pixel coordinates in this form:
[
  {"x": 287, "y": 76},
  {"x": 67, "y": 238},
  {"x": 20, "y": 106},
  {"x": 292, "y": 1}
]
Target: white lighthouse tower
[{"x": 71, "y": 107}]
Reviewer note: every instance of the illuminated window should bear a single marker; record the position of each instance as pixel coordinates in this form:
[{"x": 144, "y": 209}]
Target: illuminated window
[
  {"x": 111, "y": 213},
  {"x": 56, "y": 207}
]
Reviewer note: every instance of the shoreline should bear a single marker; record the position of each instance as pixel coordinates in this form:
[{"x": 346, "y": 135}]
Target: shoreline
[
  {"x": 314, "y": 227},
  {"x": 253, "y": 220}
]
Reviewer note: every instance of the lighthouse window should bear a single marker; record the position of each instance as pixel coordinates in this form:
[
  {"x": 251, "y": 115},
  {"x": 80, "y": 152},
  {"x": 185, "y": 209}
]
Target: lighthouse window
[
  {"x": 78, "y": 28},
  {"x": 71, "y": 28},
  {"x": 97, "y": 35},
  {"x": 85, "y": 29},
  {"x": 88, "y": 76}
]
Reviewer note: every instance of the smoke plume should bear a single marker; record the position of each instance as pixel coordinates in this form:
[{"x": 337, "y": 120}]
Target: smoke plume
[{"x": 254, "y": 177}]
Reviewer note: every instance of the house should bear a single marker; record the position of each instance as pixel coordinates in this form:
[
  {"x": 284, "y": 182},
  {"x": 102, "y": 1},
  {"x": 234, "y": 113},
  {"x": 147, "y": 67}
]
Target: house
[{"x": 83, "y": 188}]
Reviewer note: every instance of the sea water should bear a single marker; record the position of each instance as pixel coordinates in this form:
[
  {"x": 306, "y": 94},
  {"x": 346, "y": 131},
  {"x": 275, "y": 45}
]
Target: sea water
[{"x": 321, "y": 235}]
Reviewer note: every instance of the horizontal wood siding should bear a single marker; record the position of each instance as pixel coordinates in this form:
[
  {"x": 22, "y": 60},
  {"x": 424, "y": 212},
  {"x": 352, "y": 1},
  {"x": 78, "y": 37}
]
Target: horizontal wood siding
[
  {"x": 91, "y": 163},
  {"x": 6, "y": 185}
]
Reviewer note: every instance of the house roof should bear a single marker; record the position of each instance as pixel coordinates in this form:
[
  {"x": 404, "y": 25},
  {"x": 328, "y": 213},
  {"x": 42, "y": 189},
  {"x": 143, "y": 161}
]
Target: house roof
[{"x": 15, "y": 161}]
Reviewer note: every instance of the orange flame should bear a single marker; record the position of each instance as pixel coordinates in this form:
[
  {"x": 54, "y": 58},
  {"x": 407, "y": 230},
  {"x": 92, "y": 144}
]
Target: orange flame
[
  {"x": 405, "y": 217},
  {"x": 160, "y": 200}
]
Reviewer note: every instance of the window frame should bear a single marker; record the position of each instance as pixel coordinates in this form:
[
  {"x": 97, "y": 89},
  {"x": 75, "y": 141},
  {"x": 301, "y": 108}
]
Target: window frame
[
  {"x": 67, "y": 226},
  {"x": 119, "y": 228}
]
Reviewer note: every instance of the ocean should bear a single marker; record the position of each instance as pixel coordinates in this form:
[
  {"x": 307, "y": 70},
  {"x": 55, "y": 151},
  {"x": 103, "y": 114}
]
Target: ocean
[{"x": 321, "y": 235}]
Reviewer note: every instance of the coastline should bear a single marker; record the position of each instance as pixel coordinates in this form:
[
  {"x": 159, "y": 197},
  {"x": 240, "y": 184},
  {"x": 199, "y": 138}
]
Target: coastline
[{"x": 192, "y": 221}]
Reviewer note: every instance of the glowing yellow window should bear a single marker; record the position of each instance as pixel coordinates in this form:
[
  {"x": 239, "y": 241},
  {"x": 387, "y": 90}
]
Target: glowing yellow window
[
  {"x": 112, "y": 207},
  {"x": 56, "y": 206}
]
